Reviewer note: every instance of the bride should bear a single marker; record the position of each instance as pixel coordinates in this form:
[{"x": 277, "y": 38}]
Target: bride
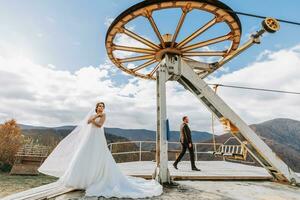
[{"x": 82, "y": 160}]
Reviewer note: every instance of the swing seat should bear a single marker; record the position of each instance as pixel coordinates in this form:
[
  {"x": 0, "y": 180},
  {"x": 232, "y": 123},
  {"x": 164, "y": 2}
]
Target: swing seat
[
  {"x": 233, "y": 156},
  {"x": 216, "y": 153},
  {"x": 231, "y": 152},
  {"x": 228, "y": 154}
]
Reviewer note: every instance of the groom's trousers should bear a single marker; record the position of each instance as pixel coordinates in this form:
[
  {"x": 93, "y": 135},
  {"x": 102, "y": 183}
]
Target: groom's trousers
[{"x": 185, "y": 146}]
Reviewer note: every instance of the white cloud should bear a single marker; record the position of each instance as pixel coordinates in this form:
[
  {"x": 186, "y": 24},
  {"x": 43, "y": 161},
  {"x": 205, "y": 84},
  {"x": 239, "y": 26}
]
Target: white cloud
[
  {"x": 29, "y": 91},
  {"x": 45, "y": 95},
  {"x": 275, "y": 70},
  {"x": 250, "y": 32},
  {"x": 124, "y": 40},
  {"x": 108, "y": 21}
]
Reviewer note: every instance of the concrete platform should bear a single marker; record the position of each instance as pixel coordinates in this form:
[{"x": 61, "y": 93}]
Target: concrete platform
[
  {"x": 214, "y": 190},
  {"x": 235, "y": 182},
  {"x": 210, "y": 170}
]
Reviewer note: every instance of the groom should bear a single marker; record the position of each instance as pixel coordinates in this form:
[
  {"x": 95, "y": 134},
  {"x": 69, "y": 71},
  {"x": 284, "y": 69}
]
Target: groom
[{"x": 186, "y": 142}]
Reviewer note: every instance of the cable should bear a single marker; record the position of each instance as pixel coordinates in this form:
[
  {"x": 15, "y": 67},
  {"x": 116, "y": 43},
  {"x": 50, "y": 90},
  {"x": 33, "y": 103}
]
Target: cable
[
  {"x": 263, "y": 17},
  {"x": 259, "y": 89}
]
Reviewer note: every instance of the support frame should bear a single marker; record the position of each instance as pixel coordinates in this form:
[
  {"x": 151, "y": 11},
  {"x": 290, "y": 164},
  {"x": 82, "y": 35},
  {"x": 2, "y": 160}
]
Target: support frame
[{"x": 179, "y": 70}]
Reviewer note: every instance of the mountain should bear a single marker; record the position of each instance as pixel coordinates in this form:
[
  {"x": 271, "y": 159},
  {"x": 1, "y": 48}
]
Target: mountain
[
  {"x": 52, "y": 136},
  {"x": 129, "y": 134},
  {"x": 282, "y": 136},
  {"x": 148, "y": 135},
  {"x": 25, "y": 127},
  {"x": 281, "y": 130}
]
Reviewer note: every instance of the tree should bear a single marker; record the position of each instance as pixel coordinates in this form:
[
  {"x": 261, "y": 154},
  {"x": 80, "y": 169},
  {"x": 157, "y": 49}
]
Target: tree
[{"x": 10, "y": 141}]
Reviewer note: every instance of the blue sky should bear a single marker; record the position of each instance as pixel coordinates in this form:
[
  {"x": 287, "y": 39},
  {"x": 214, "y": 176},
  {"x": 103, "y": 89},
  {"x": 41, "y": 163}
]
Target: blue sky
[
  {"x": 70, "y": 34},
  {"x": 53, "y": 58}
]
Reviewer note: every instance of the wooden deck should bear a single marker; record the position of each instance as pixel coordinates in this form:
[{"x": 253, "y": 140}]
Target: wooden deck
[{"x": 210, "y": 170}]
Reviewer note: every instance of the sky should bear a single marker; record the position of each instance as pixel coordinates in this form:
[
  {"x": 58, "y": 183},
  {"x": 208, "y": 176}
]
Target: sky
[{"x": 54, "y": 67}]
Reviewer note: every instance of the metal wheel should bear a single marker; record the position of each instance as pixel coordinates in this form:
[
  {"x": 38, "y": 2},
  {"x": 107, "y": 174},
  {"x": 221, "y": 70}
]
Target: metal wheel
[
  {"x": 152, "y": 53},
  {"x": 271, "y": 25}
]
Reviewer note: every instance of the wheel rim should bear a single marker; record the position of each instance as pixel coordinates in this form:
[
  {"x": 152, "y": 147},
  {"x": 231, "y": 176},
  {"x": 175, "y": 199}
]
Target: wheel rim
[{"x": 153, "y": 53}]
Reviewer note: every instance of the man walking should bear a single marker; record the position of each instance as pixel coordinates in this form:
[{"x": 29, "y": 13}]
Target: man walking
[{"x": 186, "y": 142}]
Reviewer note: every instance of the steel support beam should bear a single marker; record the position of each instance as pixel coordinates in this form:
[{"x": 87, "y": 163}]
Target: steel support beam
[
  {"x": 161, "y": 172},
  {"x": 255, "y": 145}
]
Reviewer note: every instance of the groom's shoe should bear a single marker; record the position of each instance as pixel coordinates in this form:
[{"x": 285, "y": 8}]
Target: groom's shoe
[
  {"x": 175, "y": 166},
  {"x": 195, "y": 169}
]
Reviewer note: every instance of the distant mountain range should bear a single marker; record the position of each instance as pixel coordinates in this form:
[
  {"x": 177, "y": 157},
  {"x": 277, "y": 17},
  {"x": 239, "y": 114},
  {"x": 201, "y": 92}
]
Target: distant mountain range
[
  {"x": 143, "y": 134},
  {"x": 282, "y": 135},
  {"x": 129, "y": 134}
]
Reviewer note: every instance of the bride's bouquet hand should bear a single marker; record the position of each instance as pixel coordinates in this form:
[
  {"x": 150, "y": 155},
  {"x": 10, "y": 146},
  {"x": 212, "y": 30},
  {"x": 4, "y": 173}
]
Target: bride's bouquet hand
[
  {"x": 94, "y": 117},
  {"x": 99, "y": 115}
]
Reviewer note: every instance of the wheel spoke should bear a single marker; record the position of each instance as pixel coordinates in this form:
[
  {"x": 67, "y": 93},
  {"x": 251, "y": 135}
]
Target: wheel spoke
[
  {"x": 197, "y": 32},
  {"x": 133, "y": 49},
  {"x": 206, "y": 43},
  {"x": 196, "y": 65},
  {"x": 146, "y": 64},
  {"x": 201, "y": 72},
  {"x": 142, "y": 58},
  {"x": 137, "y": 58},
  {"x": 179, "y": 25},
  {"x": 140, "y": 39},
  {"x": 204, "y": 53},
  {"x": 154, "y": 70},
  {"x": 188, "y": 59},
  {"x": 153, "y": 24},
  {"x": 202, "y": 69}
]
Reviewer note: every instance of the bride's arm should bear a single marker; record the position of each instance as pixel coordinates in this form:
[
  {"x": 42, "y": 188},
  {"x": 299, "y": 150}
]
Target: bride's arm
[
  {"x": 92, "y": 118},
  {"x": 101, "y": 122}
]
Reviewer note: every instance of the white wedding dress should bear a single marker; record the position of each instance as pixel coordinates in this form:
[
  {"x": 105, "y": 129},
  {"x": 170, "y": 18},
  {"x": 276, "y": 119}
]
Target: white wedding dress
[{"x": 82, "y": 160}]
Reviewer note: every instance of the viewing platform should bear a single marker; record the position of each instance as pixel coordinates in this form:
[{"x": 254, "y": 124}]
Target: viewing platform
[
  {"x": 210, "y": 170},
  {"x": 216, "y": 179}
]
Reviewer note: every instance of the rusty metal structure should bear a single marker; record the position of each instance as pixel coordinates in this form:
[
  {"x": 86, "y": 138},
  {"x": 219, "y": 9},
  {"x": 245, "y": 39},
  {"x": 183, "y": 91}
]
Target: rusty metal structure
[
  {"x": 171, "y": 59},
  {"x": 168, "y": 43}
]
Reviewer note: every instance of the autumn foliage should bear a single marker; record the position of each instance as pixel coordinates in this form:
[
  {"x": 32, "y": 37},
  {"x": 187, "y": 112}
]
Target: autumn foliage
[{"x": 10, "y": 141}]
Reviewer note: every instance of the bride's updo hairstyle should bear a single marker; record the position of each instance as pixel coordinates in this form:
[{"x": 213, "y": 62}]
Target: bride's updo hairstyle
[{"x": 98, "y": 105}]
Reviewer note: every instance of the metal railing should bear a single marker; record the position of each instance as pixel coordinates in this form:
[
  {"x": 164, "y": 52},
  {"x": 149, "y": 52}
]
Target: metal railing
[
  {"x": 196, "y": 152},
  {"x": 33, "y": 150},
  {"x": 139, "y": 151},
  {"x": 140, "y": 144}
]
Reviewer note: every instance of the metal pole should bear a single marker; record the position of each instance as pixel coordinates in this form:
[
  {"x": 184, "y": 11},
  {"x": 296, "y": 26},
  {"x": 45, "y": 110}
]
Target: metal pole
[
  {"x": 140, "y": 159},
  {"x": 162, "y": 172},
  {"x": 157, "y": 156},
  {"x": 196, "y": 152},
  {"x": 164, "y": 176}
]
